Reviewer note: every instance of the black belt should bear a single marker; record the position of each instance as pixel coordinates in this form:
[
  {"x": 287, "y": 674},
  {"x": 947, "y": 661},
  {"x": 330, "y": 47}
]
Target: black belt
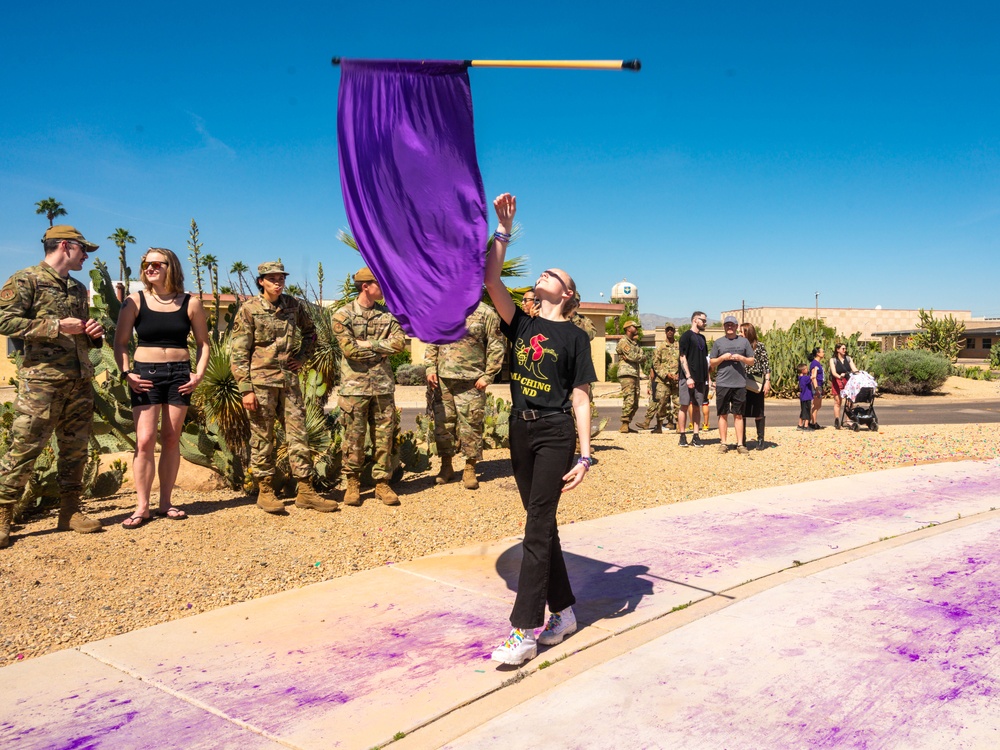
[{"x": 530, "y": 415}]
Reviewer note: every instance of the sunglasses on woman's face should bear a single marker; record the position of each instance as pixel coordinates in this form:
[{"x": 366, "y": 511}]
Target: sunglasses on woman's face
[{"x": 155, "y": 265}]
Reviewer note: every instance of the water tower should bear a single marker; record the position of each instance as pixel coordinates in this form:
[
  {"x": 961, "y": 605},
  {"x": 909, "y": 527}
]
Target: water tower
[{"x": 624, "y": 292}]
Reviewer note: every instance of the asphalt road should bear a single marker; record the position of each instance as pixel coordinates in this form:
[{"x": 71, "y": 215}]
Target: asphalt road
[{"x": 786, "y": 413}]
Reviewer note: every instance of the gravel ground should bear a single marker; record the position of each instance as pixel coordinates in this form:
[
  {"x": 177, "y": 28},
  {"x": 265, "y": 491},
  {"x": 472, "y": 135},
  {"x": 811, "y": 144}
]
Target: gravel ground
[{"x": 65, "y": 589}]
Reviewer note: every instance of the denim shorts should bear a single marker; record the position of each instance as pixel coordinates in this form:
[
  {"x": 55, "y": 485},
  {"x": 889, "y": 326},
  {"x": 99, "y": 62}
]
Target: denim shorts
[{"x": 167, "y": 377}]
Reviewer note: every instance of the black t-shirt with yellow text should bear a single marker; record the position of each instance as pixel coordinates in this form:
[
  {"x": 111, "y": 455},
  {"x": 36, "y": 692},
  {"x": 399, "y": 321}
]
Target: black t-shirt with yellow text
[{"x": 550, "y": 359}]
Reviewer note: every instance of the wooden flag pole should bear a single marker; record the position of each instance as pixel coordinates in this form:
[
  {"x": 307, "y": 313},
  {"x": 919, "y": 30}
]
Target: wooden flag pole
[
  {"x": 558, "y": 64},
  {"x": 564, "y": 64}
]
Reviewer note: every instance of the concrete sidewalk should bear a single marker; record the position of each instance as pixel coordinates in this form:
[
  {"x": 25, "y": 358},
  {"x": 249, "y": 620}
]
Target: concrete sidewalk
[{"x": 887, "y": 643}]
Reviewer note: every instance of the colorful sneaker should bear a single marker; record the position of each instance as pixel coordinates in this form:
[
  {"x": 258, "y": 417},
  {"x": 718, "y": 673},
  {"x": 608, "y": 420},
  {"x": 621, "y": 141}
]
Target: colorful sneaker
[
  {"x": 519, "y": 647},
  {"x": 560, "y": 625},
  {"x": 696, "y": 441}
]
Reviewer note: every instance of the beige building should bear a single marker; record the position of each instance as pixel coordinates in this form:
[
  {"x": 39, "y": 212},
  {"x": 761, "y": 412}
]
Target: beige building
[{"x": 846, "y": 320}]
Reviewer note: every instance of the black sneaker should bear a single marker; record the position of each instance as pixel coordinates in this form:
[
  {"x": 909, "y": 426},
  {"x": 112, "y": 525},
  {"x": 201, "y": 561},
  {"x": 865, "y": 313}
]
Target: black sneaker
[
  {"x": 684, "y": 441},
  {"x": 696, "y": 441}
]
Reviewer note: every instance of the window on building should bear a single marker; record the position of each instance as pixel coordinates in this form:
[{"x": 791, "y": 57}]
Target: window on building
[
  {"x": 987, "y": 344},
  {"x": 970, "y": 343}
]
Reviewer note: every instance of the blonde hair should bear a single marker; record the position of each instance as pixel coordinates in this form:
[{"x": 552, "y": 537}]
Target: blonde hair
[{"x": 174, "y": 277}]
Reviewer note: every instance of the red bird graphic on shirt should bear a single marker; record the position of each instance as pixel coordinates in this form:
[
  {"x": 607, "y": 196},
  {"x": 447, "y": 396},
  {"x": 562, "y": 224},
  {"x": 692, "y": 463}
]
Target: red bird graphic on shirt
[{"x": 537, "y": 353}]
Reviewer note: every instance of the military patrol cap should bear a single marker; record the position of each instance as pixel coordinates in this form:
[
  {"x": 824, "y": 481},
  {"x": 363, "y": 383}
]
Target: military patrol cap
[
  {"x": 272, "y": 266},
  {"x": 66, "y": 232},
  {"x": 364, "y": 275},
  {"x": 628, "y": 323},
  {"x": 668, "y": 327}
]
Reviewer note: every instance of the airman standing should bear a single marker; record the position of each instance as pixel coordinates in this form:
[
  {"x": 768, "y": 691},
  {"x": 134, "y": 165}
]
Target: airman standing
[
  {"x": 368, "y": 336},
  {"x": 630, "y": 359},
  {"x": 49, "y": 310},
  {"x": 663, "y": 372},
  {"x": 458, "y": 374},
  {"x": 265, "y": 362}
]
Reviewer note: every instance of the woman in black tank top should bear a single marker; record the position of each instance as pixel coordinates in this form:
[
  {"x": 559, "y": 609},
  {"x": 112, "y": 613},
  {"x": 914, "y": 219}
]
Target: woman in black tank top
[{"x": 160, "y": 377}]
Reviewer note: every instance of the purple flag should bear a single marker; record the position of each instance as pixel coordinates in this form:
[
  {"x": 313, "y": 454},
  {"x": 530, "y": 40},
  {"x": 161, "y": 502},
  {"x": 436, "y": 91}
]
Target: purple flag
[{"x": 412, "y": 189}]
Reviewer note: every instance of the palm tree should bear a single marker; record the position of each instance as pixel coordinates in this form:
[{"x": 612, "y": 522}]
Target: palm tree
[
  {"x": 294, "y": 290},
  {"x": 51, "y": 208},
  {"x": 121, "y": 237},
  {"x": 212, "y": 264},
  {"x": 240, "y": 268}
]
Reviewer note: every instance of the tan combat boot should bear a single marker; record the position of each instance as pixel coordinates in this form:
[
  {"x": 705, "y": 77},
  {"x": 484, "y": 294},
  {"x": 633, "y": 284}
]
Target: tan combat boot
[
  {"x": 384, "y": 493},
  {"x": 267, "y": 501},
  {"x": 353, "y": 494},
  {"x": 444, "y": 476},
  {"x": 645, "y": 424},
  {"x": 71, "y": 517},
  {"x": 658, "y": 430},
  {"x": 624, "y": 428},
  {"x": 6, "y": 519},
  {"x": 308, "y": 499},
  {"x": 469, "y": 475}
]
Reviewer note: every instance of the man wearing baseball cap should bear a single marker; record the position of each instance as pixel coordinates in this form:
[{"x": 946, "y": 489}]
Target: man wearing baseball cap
[
  {"x": 630, "y": 359},
  {"x": 50, "y": 311},
  {"x": 368, "y": 336},
  {"x": 731, "y": 356},
  {"x": 265, "y": 361}
]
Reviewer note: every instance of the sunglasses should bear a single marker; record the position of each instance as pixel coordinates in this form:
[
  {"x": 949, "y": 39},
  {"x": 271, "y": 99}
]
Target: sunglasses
[
  {"x": 155, "y": 265},
  {"x": 553, "y": 275}
]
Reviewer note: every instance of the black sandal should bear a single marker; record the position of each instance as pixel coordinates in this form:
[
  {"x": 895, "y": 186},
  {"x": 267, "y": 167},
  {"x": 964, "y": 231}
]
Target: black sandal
[{"x": 143, "y": 520}]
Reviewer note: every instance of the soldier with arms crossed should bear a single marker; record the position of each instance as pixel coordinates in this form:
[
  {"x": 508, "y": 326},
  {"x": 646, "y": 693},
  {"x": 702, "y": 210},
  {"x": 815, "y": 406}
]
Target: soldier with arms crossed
[{"x": 368, "y": 335}]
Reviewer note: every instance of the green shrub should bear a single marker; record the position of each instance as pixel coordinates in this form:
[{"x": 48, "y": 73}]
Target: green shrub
[
  {"x": 972, "y": 373},
  {"x": 995, "y": 358},
  {"x": 909, "y": 371},
  {"x": 612, "y": 374},
  {"x": 399, "y": 359},
  {"x": 411, "y": 375}
]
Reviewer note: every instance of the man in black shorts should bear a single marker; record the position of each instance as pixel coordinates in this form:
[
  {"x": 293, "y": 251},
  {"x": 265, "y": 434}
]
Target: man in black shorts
[
  {"x": 692, "y": 377},
  {"x": 731, "y": 356}
]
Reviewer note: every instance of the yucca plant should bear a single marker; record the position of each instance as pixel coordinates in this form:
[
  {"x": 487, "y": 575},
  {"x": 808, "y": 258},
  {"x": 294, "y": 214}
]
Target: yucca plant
[{"x": 218, "y": 398}]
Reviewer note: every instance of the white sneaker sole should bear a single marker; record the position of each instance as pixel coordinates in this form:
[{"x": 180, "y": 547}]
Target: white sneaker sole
[
  {"x": 552, "y": 639},
  {"x": 510, "y": 659}
]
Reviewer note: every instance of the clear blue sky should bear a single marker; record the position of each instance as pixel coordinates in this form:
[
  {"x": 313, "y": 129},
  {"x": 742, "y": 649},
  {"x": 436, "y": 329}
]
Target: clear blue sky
[{"x": 766, "y": 151}]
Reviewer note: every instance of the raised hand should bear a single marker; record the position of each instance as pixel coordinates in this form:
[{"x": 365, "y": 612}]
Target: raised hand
[{"x": 505, "y": 205}]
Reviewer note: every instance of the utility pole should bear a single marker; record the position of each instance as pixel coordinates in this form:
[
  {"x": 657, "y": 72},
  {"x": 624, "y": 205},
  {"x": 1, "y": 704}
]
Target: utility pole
[
  {"x": 816, "y": 322},
  {"x": 743, "y": 314}
]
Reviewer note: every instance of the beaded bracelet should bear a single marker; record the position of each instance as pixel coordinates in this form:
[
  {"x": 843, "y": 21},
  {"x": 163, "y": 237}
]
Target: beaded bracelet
[
  {"x": 501, "y": 237},
  {"x": 586, "y": 461}
]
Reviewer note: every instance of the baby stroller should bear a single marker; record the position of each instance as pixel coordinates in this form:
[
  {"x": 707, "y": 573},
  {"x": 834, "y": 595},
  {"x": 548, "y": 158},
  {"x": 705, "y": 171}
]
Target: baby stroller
[{"x": 859, "y": 402}]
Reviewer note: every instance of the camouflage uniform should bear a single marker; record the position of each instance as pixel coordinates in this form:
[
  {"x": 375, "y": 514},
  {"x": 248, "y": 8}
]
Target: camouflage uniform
[
  {"x": 664, "y": 405},
  {"x": 264, "y": 341},
  {"x": 54, "y": 381},
  {"x": 365, "y": 394},
  {"x": 458, "y": 405},
  {"x": 630, "y": 359}
]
